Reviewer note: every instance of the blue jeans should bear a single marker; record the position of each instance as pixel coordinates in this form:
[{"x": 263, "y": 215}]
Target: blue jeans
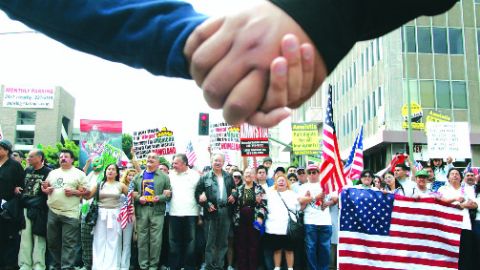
[
  {"x": 317, "y": 245},
  {"x": 182, "y": 242}
]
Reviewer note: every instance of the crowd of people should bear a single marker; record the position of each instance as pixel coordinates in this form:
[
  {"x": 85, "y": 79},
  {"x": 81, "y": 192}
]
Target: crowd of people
[{"x": 218, "y": 218}]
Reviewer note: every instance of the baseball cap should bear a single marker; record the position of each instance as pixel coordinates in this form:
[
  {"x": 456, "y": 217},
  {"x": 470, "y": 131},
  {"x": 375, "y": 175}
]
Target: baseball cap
[
  {"x": 300, "y": 169},
  {"x": 422, "y": 173},
  {"x": 6, "y": 144},
  {"x": 312, "y": 167}
]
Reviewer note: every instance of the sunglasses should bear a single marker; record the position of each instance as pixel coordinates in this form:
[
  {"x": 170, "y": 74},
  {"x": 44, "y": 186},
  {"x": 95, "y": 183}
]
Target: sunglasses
[
  {"x": 312, "y": 172},
  {"x": 300, "y": 172}
]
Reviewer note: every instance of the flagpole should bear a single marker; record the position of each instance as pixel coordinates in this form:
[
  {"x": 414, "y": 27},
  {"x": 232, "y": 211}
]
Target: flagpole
[{"x": 409, "y": 103}]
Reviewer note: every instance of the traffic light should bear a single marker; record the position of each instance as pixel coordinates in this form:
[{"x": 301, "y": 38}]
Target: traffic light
[{"x": 203, "y": 126}]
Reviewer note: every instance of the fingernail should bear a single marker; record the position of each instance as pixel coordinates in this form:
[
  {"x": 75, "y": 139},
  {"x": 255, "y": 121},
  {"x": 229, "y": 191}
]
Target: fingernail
[
  {"x": 307, "y": 54},
  {"x": 291, "y": 44},
  {"x": 281, "y": 69}
]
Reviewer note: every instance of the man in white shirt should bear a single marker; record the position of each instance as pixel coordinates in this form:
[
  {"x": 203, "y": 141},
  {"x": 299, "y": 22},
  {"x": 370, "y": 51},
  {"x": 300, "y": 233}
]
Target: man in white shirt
[
  {"x": 318, "y": 223},
  {"x": 184, "y": 212},
  {"x": 400, "y": 174}
]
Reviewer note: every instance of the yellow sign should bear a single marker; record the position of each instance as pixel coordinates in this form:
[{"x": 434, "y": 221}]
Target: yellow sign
[
  {"x": 305, "y": 139},
  {"x": 416, "y": 117},
  {"x": 434, "y": 116}
]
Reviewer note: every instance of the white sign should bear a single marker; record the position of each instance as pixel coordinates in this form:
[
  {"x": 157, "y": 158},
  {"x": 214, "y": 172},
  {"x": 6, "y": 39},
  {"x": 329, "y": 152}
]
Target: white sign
[
  {"x": 448, "y": 139},
  {"x": 24, "y": 97}
]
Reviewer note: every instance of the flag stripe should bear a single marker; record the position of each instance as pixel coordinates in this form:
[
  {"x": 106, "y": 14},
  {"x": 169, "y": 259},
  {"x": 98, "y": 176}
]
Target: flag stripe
[
  {"x": 398, "y": 240},
  {"x": 427, "y": 212},
  {"x": 424, "y": 236},
  {"x": 399, "y": 246},
  {"x": 349, "y": 266},
  {"x": 426, "y": 224},
  {"x": 392, "y": 258}
]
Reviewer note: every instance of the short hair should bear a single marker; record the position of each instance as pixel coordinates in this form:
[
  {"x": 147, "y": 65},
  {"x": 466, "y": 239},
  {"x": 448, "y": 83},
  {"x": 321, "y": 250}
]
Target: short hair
[
  {"x": 261, "y": 167},
  {"x": 20, "y": 154},
  {"x": 218, "y": 154},
  {"x": 68, "y": 151},
  {"x": 402, "y": 166},
  {"x": 181, "y": 156},
  {"x": 291, "y": 166},
  {"x": 453, "y": 169},
  {"x": 40, "y": 153}
]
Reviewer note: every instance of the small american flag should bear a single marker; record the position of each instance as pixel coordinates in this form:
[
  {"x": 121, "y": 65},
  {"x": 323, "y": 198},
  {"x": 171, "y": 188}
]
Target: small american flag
[
  {"x": 386, "y": 231},
  {"x": 354, "y": 166},
  {"x": 191, "y": 155},
  {"x": 331, "y": 170},
  {"x": 418, "y": 165},
  {"x": 126, "y": 212}
]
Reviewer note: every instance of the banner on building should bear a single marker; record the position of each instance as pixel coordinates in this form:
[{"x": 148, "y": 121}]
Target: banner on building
[
  {"x": 253, "y": 141},
  {"x": 100, "y": 138},
  {"x": 24, "y": 97},
  {"x": 448, "y": 139},
  {"x": 416, "y": 116},
  {"x": 305, "y": 139},
  {"x": 434, "y": 116},
  {"x": 160, "y": 141}
]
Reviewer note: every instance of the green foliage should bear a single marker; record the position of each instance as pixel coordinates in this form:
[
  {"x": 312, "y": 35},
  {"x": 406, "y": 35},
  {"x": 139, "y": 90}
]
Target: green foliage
[
  {"x": 52, "y": 152},
  {"x": 127, "y": 143}
]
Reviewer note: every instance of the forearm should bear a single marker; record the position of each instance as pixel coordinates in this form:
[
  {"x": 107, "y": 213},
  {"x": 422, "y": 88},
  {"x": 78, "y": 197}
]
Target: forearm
[
  {"x": 335, "y": 26},
  {"x": 147, "y": 34}
]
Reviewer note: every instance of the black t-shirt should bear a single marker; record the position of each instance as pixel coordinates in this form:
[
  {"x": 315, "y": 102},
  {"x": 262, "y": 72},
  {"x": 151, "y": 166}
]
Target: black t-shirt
[
  {"x": 34, "y": 179},
  {"x": 11, "y": 176}
]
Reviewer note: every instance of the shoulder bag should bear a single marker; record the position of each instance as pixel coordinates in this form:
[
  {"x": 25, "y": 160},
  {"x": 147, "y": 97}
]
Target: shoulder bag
[
  {"x": 295, "y": 230},
  {"x": 92, "y": 214}
]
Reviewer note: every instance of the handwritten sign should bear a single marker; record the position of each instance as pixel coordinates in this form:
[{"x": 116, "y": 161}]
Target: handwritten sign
[
  {"x": 224, "y": 137},
  {"x": 448, "y": 139},
  {"x": 37, "y": 98},
  {"x": 305, "y": 139},
  {"x": 155, "y": 140},
  {"x": 254, "y": 141}
]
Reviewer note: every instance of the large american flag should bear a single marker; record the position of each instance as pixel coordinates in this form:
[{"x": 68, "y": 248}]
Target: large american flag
[
  {"x": 331, "y": 169},
  {"x": 386, "y": 231},
  {"x": 127, "y": 212},
  {"x": 354, "y": 166},
  {"x": 191, "y": 155}
]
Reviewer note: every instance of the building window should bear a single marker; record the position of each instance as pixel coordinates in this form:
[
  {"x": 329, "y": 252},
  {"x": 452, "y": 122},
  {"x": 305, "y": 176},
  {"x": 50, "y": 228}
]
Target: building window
[
  {"x": 374, "y": 103},
  {"x": 424, "y": 40},
  {"x": 455, "y": 40},
  {"x": 372, "y": 54},
  {"x": 439, "y": 40},
  {"x": 427, "y": 94},
  {"x": 380, "y": 96},
  {"x": 26, "y": 118},
  {"x": 25, "y": 137},
  {"x": 443, "y": 94},
  {"x": 364, "y": 113},
  {"x": 459, "y": 94},
  {"x": 355, "y": 118},
  {"x": 410, "y": 39},
  {"x": 379, "y": 49},
  {"x": 369, "y": 110}
]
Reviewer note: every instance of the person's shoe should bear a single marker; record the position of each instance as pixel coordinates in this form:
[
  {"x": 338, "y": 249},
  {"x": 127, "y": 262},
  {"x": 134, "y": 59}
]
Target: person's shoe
[{"x": 230, "y": 268}]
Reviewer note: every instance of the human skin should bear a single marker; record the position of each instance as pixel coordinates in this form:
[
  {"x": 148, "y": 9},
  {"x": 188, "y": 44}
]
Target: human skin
[{"x": 230, "y": 59}]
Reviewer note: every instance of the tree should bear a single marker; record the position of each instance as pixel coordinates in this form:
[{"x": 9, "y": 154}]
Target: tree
[
  {"x": 52, "y": 152},
  {"x": 127, "y": 143}
]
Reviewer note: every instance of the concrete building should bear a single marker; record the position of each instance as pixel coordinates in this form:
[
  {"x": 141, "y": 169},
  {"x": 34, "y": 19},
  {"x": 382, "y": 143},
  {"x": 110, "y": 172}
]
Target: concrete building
[
  {"x": 31, "y": 116},
  {"x": 440, "y": 63}
]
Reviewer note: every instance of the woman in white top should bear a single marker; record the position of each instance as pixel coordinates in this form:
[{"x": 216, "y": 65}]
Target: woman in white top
[
  {"x": 464, "y": 198},
  {"x": 107, "y": 235},
  {"x": 277, "y": 220}
]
